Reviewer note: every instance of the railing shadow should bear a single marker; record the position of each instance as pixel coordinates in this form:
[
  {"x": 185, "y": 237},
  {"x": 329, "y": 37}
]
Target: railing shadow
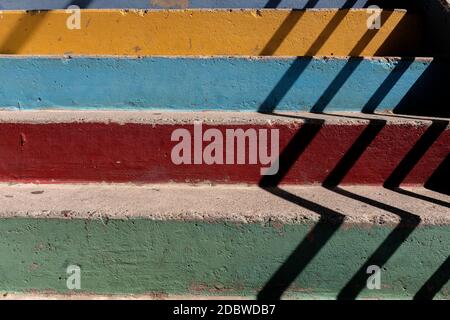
[
  {"x": 305, "y": 251},
  {"x": 299, "y": 65},
  {"x": 408, "y": 223},
  {"x": 330, "y": 220},
  {"x": 406, "y": 165},
  {"x": 426, "y": 97},
  {"x": 435, "y": 283},
  {"x": 24, "y": 30},
  {"x": 439, "y": 180}
]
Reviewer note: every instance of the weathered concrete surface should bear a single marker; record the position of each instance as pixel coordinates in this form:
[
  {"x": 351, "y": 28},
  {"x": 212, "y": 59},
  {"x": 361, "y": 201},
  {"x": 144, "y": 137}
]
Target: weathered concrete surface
[
  {"x": 63, "y": 146},
  {"x": 214, "y": 246},
  {"x": 220, "y": 83},
  {"x": 232, "y": 203},
  {"x": 269, "y": 32},
  {"x": 181, "y": 4},
  {"x": 147, "y": 117}
]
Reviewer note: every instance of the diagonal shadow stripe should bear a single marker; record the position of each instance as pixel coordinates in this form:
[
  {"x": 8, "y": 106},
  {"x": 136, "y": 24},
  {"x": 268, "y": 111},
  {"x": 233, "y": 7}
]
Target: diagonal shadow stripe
[
  {"x": 421, "y": 197},
  {"x": 419, "y": 149},
  {"x": 408, "y": 220},
  {"x": 323, "y": 230},
  {"x": 296, "y": 146},
  {"x": 388, "y": 84},
  {"x": 304, "y": 253},
  {"x": 423, "y": 144},
  {"x": 348, "y": 69},
  {"x": 358, "y": 147},
  {"x": 435, "y": 283},
  {"x": 408, "y": 223},
  {"x": 299, "y": 65},
  {"x": 441, "y": 176},
  {"x": 18, "y": 37},
  {"x": 285, "y": 28}
]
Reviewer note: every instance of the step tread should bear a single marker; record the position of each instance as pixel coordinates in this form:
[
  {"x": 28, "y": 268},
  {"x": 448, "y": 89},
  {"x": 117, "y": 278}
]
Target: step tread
[
  {"x": 206, "y": 117},
  {"x": 234, "y": 203}
]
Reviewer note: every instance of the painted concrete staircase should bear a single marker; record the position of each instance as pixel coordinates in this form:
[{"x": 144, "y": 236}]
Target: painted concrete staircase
[{"x": 107, "y": 162}]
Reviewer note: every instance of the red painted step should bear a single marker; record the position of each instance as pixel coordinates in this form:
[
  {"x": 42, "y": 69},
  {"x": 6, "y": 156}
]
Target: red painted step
[{"x": 137, "y": 147}]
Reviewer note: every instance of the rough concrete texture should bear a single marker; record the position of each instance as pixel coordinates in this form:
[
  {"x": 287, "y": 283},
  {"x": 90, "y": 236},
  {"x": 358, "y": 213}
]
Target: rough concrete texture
[
  {"x": 192, "y": 255},
  {"x": 211, "y": 32},
  {"x": 221, "y": 83},
  {"x": 207, "y": 117},
  {"x": 236, "y": 203}
]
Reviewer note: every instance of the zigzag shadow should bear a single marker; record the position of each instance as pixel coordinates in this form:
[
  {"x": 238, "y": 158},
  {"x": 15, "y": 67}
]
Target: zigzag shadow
[
  {"x": 329, "y": 222},
  {"x": 305, "y": 251}
]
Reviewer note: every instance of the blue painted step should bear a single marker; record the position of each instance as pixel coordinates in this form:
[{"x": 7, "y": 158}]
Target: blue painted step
[{"x": 224, "y": 83}]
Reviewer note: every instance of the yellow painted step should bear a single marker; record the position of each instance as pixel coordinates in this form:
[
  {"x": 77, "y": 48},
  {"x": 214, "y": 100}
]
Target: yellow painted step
[{"x": 209, "y": 32}]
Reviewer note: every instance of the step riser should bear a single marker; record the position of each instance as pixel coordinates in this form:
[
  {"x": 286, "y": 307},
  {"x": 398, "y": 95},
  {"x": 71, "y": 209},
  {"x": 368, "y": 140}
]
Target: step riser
[
  {"x": 139, "y": 152},
  {"x": 225, "y": 240},
  {"x": 208, "y": 32},
  {"x": 226, "y": 84},
  {"x": 170, "y": 257}
]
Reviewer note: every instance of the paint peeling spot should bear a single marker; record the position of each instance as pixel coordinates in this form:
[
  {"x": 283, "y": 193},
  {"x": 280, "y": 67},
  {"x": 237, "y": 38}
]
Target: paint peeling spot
[
  {"x": 23, "y": 139},
  {"x": 66, "y": 213},
  {"x": 67, "y": 57},
  {"x": 277, "y": 224},
  {"x": 256, "y": 13},
  {"x": 33, "y": 12},
  {"x": 137, "y": 49},
  {"x": 33, "y": 266}
]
